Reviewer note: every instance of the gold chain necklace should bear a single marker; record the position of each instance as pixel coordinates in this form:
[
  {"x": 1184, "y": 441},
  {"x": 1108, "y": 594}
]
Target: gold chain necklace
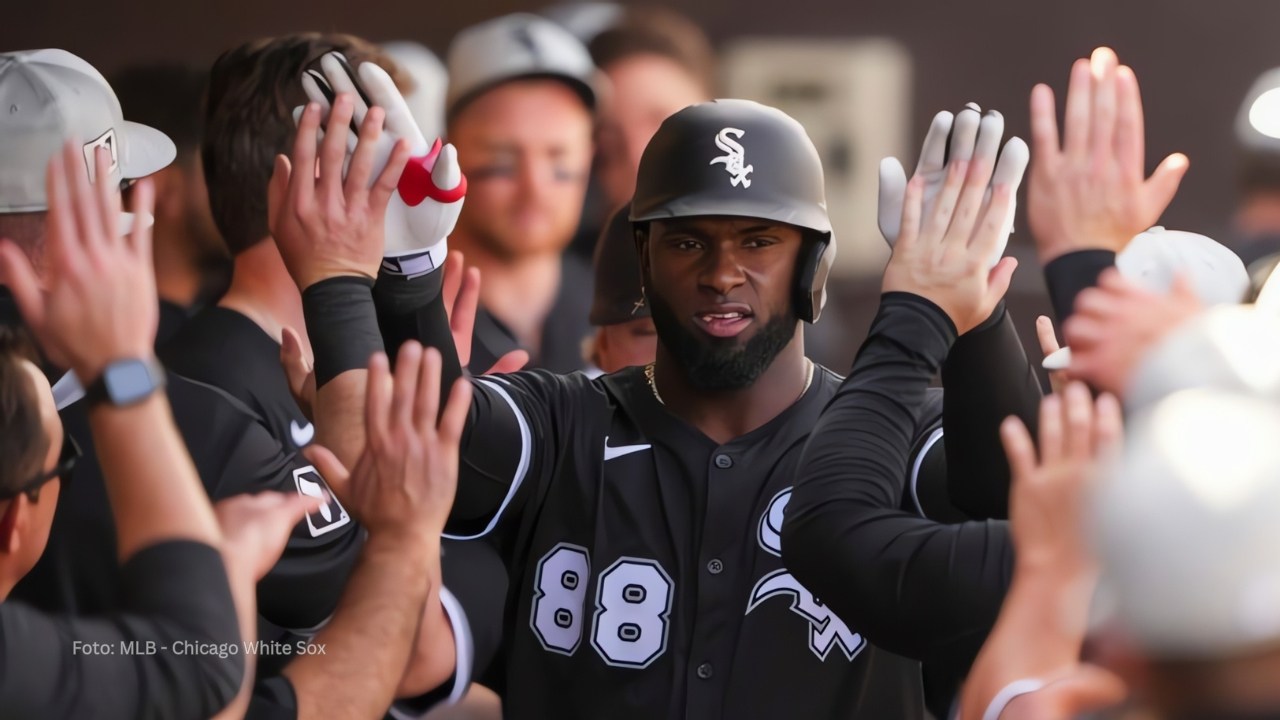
[{"x": 653, "y": 384}]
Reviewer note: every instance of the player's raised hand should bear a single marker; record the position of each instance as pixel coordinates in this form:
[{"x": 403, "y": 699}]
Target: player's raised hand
[
  {"x": 1091, "y": 190},
  {"x": 255, "y": 529},
  {"x": 404, "y": 482},
  {"x": 327, "y": 226},
  {"x": 431, "y": 189},
  {"x": 1046, "y": 502},
  {"x": 1116, "y": 323},
  {"x": 943, "y": 252},
  {"x": 932, "y": 167},
  {"x": 462, "y": 300},
  {"x": 96, "y": 301}
]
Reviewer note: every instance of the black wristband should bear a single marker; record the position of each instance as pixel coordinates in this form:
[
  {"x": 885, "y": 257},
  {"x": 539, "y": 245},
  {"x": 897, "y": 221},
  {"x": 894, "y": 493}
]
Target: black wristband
[
  {"x": 343, "y": 325},
  {"x": 396, "y": 294}
]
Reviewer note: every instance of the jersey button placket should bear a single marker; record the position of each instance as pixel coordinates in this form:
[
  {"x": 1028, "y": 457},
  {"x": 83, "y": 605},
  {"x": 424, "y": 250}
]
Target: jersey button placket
[{"x": 705, "y": 671}]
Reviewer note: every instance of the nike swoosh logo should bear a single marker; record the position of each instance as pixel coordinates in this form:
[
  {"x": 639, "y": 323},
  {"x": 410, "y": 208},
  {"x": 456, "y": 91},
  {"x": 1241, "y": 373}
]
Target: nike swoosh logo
[
  {"x": 616, "y": 452},
  {"x": 302, "y": 434}
]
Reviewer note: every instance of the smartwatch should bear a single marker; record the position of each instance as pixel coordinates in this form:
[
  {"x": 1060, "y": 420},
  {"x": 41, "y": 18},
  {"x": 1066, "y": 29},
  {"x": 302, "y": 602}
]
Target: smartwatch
[{"x": 126, "y": 382}]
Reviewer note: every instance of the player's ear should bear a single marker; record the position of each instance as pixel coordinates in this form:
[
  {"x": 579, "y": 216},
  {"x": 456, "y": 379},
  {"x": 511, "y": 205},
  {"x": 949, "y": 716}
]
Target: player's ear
[
  {"x": 11, "y": 526},
  {"x": 641, "y": 234}
]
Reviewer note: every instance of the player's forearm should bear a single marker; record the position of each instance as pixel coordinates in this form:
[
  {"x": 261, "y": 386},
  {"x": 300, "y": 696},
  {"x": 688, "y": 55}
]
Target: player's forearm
[
  {"x": 434, "y": 655},
  {"x": 368, "y": 641},
  {"x": 151, "y": 481},
  {"x": 339, "y": 415},
  {"x": 342, "y": 324},
  {"x": 987, "y": 378},
  {"x": 1040, "y": 630},
  {"x": 914, "y": 584},
  {"x": 413, "y": 309}
]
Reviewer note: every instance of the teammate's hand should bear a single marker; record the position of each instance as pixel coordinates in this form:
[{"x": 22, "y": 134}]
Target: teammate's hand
[
  {"x": 462, "y": 299},
  {"x": 432, "y": 188},
  {"x": 961, "y": 131},
  {"x": 1070, "y": 694},
  {"x": 1117, "y": 322},
  {"x": 404, "y": 482},
  {"x": 944, "y": 254},
  {"x": 299, "y": 370},
  {"x": 326, "y": 227},
  {"x": 1048, "y": 346},
  {"x": 1048, "y": 492},
  {"x": 1091, "y": 191},
  {"x": 255, "y": 529},
  {"x": 96, "y": 301}
]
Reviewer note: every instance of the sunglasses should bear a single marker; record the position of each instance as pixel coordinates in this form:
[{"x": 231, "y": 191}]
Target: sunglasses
[{"x": 62, "y": 470}]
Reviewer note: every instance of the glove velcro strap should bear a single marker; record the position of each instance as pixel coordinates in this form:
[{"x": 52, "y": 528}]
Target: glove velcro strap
[
  {"x": 343, "y": 325},
  {"x": 416, "y": 262},
  {"x": 416, "y": 183}
]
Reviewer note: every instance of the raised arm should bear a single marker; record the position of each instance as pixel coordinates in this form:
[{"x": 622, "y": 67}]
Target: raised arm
[
  {"x": 400, "y": 489},
  {"x": 1088, "y": 194},
  {"x": 919, "y": 588},
  {"x": 97, "y": 307},
  {"x": 1042, "y": 625}
]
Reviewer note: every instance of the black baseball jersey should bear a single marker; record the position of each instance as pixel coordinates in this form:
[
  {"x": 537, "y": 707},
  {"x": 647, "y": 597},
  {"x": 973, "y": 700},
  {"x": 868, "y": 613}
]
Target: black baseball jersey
[
  {"x": 226, "y": 349},
  {"x": 562, "y": 332},
  {"x": 223, "y": 348},
  {"x": 233, "y": 454},
  {"x": 645, "y": 560}
]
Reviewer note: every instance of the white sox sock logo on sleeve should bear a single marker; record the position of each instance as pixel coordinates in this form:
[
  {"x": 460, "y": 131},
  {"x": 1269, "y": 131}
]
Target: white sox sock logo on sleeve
[
  {"x": 825, "y": 629},
  {"x": 734, "y": 158},
  {"x": 331, "y": 514}
]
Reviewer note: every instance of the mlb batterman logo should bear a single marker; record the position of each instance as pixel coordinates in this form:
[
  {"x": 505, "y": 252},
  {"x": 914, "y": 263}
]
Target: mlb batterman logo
[{"x": 735, "y": 157}]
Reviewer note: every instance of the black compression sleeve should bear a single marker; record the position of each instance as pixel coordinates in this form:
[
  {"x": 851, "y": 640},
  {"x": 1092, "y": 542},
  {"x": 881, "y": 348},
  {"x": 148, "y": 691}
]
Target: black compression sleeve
[
  {"x": 1069, "y": 274},
  {"x": 341, "y": 324},
  {"x": 173, "y": 651},
  {"x": 413, "y": 309},
  {"x": 986, "y": 378},
  {"x": 915, "y": 587}
]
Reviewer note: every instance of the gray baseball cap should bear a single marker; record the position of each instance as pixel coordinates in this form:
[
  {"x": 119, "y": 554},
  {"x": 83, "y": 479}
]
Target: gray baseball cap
[
  {"x": 515, "y": 47},
  {"x": 50, "y": 96}
]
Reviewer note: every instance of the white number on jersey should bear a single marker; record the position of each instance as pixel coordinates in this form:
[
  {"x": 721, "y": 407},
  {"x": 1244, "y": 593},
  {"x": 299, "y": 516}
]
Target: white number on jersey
[
  {"x": 633, "y": 606},
  {"x": 562, "y": 590}
]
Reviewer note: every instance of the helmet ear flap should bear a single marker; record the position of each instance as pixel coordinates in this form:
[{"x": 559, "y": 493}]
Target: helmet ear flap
[{"x": 817, "y": 253}]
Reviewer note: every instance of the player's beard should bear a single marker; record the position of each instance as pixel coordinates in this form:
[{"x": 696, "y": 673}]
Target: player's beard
[{"x": 717, "y": 364}]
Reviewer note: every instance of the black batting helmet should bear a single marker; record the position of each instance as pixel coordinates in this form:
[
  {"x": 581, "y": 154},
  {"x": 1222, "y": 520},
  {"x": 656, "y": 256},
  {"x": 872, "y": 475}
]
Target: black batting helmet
[{"x": 741, "y": 158}]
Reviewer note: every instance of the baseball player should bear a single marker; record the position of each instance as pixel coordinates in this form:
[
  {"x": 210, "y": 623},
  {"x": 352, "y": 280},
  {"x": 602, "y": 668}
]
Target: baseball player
[{"x": 640, "y": 513}]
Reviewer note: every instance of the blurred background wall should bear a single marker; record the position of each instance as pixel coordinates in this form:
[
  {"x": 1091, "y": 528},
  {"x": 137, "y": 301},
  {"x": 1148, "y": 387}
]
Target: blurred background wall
[{"x": 1195, "y": 59}]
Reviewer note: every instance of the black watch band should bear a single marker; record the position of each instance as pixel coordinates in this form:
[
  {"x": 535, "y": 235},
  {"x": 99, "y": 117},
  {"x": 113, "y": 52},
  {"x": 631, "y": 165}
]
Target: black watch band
[{"x": 126, "y": 382}]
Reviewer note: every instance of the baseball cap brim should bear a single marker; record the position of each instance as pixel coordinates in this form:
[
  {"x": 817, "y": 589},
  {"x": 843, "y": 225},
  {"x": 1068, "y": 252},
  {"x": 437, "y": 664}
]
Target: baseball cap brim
[
  {"x": 148, "y": 151},
  {"x": 588, "y": 91}
]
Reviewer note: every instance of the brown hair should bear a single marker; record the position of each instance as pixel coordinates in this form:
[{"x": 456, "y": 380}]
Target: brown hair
[
  {"x": 657, "y": 31},
  {"x": 23, "y": 442},
  {"x": 166, "y": 96},
  {"x": 253, "y": 90}
]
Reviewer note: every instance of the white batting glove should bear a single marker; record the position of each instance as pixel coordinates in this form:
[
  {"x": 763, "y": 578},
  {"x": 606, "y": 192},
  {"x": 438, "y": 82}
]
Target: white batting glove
[
  {"x": 972, "y": 136},
  {"x": 432, "y": 188}
]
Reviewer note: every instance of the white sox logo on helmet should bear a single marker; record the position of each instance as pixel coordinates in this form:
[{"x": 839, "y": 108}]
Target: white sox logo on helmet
[
  {"x": 735, "y": 157},
  {"x": 825, "y": 629}
]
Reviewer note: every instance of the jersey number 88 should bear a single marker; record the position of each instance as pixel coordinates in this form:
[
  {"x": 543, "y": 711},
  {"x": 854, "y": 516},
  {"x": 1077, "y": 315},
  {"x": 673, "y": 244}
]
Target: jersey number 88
[{"x": 633, "y": 606}]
